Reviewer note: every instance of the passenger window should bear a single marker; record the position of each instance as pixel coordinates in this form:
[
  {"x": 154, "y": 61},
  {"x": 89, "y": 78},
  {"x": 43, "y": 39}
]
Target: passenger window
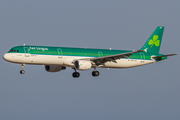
[
  {"x": 17, "y": 50},
  {"x": 14, "y": 50}
]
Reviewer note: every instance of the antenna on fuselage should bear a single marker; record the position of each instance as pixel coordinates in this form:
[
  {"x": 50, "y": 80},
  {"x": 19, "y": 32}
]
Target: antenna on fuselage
[
  {"x": 24, "y": 44},
  {"x": 109, "y": 48}
]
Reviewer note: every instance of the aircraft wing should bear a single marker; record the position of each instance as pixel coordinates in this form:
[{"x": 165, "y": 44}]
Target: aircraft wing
[
  {"x": 101, "y": 60},
  {"x": 156, "y": 57}
]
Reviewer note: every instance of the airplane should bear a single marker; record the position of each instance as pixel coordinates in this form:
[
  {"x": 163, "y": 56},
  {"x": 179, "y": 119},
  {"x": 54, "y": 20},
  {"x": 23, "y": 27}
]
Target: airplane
[{"x": 56, "y": 59}]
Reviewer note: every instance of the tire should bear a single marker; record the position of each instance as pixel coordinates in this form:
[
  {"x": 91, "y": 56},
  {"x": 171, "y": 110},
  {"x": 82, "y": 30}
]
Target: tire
[
  {"x": 95, "y": 73},
  {"x": 22, "y": 71},
  {"x": 75, "y": 74}
]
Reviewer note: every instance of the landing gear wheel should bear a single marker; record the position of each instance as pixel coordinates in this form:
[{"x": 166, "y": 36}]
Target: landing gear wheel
[
  {"x": 75, "y": 74},
  {"x": 95, "y": 73},
  {"x": 22, "y": 71}
]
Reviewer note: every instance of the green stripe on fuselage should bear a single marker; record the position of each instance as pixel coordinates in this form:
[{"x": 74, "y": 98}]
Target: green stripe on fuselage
[{"x": 79, "y": 52}]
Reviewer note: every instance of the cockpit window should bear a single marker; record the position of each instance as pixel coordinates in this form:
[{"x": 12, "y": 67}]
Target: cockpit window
[{"x": 13, "y": 50}]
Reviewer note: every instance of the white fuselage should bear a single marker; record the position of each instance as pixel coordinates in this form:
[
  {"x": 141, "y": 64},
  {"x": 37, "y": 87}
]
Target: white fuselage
[{"x": 67, "y": 61}]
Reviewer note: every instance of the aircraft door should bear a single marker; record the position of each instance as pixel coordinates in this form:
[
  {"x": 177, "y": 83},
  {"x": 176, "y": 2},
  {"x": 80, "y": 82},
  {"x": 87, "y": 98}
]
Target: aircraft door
[
  {"x": 60, "y": 54},
  {"x": 100, "y": 54},
  {"x": 142, "y": 57},
  {"x": 27, "y": 51}
]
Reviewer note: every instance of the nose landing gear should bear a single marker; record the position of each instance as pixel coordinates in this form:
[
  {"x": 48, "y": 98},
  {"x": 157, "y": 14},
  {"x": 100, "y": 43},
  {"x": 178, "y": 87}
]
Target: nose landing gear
[{"x": 22, "y": 71}]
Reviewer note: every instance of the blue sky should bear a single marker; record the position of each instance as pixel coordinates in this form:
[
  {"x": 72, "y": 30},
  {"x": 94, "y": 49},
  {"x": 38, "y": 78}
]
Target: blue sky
[{"x": 146, "y": 92}]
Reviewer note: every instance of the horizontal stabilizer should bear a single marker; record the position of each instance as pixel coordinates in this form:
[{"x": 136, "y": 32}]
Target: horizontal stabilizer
[{"x": 156, "y": 57}]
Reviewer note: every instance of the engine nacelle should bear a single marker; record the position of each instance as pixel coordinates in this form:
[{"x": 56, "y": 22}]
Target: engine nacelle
[
  {"x": 82, "y": 65},
  {"x": 54, "y": 68}
]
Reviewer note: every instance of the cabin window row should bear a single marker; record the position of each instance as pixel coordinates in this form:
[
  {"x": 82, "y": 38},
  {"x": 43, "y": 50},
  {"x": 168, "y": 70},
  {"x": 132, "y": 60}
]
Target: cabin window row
[
  {"x": 66, "y": 53},
  {"x": 133, "y": 56},
  {"x": 45, "y": 52}
]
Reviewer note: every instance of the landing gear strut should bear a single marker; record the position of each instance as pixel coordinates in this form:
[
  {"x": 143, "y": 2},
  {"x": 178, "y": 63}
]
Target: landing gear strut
[
  {"x": 95, "y": 73},
  {"x": 75, "y": 74},
  {"x": 22, "y": 71}
]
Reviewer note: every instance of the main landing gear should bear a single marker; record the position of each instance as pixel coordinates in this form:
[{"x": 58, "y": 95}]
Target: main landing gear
[
  {"x": 75, "y": 74},
  {"x": 95, "y": 73},
  {"x": 22, "y": 71}
]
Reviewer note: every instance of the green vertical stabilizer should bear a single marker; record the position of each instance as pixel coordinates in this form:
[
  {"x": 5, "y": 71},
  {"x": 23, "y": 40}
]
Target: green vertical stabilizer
[{"x": 154, "y": 42}]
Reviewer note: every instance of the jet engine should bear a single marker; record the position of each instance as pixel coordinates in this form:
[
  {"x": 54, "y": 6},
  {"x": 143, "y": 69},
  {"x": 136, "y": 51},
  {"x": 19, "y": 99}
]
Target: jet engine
[
  {"x": 54, "y": 68},
  {"x": 82, "y": 65}
]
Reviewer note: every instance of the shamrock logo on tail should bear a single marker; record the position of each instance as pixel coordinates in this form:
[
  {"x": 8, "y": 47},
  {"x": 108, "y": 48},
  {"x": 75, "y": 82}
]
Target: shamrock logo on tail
[{"x": 154, "y": 41}]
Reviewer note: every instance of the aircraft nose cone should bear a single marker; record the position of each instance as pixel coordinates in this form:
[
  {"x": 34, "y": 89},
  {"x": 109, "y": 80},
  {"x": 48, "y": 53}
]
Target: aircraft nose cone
[{"x": 6, "y": 56}]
